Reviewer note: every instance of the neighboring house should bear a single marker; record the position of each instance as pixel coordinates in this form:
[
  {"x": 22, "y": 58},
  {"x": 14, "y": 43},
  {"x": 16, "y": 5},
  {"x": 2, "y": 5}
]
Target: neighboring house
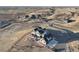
[
  {"x": 22, "y": 17},
  {"x": 35, "y": 15},
  {"x": 68, "y": 20}
]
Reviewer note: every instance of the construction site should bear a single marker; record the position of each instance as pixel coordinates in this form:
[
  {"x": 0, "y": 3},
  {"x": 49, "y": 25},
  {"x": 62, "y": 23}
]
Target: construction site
[{"x": 39, "y": 29}]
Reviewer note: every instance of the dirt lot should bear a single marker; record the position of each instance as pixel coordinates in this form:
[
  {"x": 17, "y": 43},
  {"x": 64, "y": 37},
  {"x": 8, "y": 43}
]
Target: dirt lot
[{"x": 9, "y": 36}]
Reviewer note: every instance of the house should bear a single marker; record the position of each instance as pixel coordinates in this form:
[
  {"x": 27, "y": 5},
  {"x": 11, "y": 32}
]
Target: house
[
  {"x": 35, "y": 15},
  {"x": 41, "y": 33},
  {"x": 54, "y": 37},
  {"x": 20, "y": 15}
]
